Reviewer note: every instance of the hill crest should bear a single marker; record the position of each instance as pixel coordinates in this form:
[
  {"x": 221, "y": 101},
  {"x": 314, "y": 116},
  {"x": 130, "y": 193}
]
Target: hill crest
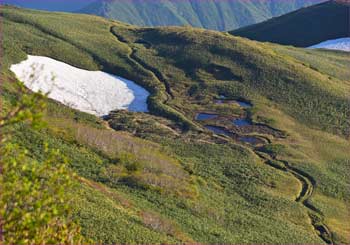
[
  {"x": 216, "y": 15},
  {"x": 305, "y": 27}
]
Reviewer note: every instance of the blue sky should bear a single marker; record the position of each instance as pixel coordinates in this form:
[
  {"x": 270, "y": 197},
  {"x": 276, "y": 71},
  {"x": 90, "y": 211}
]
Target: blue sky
[{"x": 59, "y": 5}]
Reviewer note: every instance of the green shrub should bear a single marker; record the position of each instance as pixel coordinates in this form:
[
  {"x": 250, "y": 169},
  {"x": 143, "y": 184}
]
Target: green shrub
[{"x": 34, "y": 205}]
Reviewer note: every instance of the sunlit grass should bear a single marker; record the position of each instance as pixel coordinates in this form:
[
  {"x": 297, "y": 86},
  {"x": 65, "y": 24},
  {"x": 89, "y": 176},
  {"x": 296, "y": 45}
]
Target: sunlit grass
[{"x": 180, "y": 185}]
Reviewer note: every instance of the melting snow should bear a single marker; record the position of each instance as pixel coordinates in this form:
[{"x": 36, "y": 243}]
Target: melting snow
[
  {"x": 338, "y": 44},
  {"x": 94, "y": 92}
]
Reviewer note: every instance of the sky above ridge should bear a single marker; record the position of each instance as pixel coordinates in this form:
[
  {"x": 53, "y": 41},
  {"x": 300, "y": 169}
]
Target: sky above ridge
[{"x": 58, "y": 5}]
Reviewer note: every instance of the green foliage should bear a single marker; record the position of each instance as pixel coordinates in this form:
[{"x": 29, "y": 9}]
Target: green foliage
[
  {"x": 25, "y": 108},
  {"x": 130, "y": 162},
  {"x": 33, "y": 204}
]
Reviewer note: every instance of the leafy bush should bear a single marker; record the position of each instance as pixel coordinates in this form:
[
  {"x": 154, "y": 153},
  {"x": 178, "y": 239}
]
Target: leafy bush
[{"x": 34, "y": 206}]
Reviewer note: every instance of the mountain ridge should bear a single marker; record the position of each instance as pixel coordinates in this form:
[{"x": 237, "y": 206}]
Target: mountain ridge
[
  {"x": 304, "y": 27},
  {"x": 217, "y": 15}
]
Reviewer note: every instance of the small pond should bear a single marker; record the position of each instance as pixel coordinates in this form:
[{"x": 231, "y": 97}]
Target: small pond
[
  {"x": 249, "y": 139},
  {"x": 243, "y": 104},
  {"x": 242, "y": 122},
  {"x": 218, "y": 130},
  {"x": 246, "y": 139},
  {"x": 220, "y": 101},
  {"x": 205, "y": 116}
]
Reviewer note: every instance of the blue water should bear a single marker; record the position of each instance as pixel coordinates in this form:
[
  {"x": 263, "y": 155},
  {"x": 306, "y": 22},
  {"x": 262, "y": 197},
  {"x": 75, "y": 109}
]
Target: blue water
[
  {"x": 219, "y": 101},
  {"x": 241, "y": 122},
  {"x": 248, "y": 139},
  {"x": 218, "y": 130},
  {"x": 205, "y": 116},
  {"x": 244, "y": 104}
]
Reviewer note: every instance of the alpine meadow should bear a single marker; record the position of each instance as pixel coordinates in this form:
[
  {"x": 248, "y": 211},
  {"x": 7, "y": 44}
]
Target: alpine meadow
[{"x": 212, "y": 138}]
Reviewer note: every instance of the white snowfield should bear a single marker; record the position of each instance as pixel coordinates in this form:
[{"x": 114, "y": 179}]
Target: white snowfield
[
  {"x": 337, "y": 44},
  {"x": 94, "y": 92}
]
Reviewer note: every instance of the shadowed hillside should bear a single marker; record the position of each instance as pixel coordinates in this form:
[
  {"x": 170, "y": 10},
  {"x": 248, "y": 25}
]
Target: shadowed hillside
[{"x": 304, "y": 27}]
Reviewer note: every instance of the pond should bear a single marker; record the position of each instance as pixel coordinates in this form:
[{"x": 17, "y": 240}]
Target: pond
[
  {"x": 218, "y": 130},
  {"x": 246, "y": 139},
  {"x": 243, "y": 104},
  {"x": 249, "y": 139},
  {"x": 205, "y": 116},
  {"x": 241, "y": 122},
  {"x": 220, "y": 101}
]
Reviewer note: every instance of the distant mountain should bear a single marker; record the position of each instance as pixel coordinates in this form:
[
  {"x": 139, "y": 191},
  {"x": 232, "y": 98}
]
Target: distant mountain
[
  {"x": 304, "y": 27},
  {"x": 51, "y": 5},
  {"x": 209, "y": 14}
]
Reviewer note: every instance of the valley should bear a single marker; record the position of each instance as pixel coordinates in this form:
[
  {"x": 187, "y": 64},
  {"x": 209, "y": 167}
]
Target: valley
[{"x": 241, "y": 142}]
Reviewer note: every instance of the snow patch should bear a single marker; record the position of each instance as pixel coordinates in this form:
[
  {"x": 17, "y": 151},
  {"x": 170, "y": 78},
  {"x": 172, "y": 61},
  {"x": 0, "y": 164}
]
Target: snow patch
[
  {"x": 337, "y": 44},
  {"x": 94, "y": 92}
]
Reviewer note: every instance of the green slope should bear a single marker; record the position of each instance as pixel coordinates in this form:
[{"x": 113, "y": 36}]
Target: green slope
[
  {"x": 217, "y": 15},
  {"x": 163, "y": 178},
  {"x": 304, "y": 27}
]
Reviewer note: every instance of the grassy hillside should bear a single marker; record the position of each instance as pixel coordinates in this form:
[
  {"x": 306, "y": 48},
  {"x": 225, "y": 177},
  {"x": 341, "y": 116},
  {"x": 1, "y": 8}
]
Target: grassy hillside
[
  {"x": 162, "y": 177},
  {"x": 217, "y": 15},
  {"x": 304, "y": 27}
]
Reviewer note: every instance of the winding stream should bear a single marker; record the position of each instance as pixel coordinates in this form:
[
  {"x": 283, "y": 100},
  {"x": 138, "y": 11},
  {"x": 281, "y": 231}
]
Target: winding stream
[
  {"x": 307, "y": 182},
  {"x": 308, "y": 185}
]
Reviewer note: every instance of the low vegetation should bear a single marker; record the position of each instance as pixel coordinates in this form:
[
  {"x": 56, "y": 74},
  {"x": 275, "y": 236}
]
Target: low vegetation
[
  {"x": 162, "y": 177},
  {"x": 34, "y": 207}
]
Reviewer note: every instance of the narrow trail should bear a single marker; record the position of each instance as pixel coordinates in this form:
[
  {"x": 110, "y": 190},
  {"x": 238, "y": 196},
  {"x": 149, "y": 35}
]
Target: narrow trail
[
  {"x": 156, "y": 73},
  {"x": 133, "y": 57},
  {"x": 308, "y": 185}
]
